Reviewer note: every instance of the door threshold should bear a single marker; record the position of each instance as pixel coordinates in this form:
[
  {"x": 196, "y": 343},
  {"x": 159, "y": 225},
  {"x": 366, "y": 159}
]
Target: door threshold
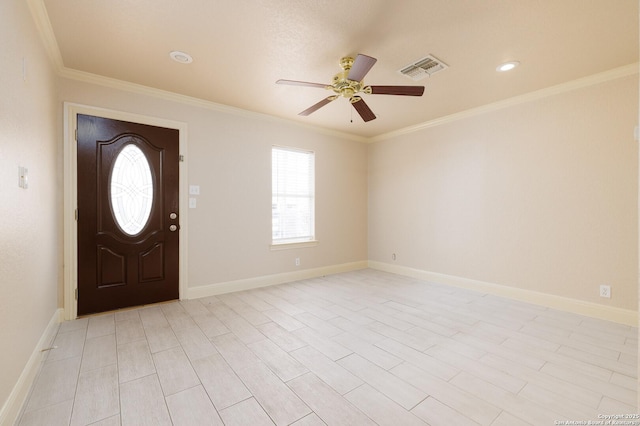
[{"x": 129, "y": 308}]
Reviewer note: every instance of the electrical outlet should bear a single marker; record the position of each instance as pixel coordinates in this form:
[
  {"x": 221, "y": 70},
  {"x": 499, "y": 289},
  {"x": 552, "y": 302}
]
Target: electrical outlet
[
  {"x": 605, "y": 291},
  {"x": 297, "y": 261}
]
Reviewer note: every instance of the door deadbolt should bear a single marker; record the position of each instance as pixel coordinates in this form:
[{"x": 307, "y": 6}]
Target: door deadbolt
[{"x": 173, "y": 216}]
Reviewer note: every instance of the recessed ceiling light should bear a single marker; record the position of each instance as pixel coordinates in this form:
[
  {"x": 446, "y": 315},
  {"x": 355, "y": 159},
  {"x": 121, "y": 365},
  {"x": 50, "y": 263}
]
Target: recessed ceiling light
[
  {"x": 183, "y": 58},
  {"x": 507, "y": 66}
]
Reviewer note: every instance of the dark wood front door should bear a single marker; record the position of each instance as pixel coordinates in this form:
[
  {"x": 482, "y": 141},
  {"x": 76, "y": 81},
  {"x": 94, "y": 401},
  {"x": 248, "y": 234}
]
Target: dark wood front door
[{"x": 128, "y": 216}]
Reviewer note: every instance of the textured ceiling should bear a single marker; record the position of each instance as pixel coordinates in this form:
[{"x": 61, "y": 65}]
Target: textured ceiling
[{"x": 241, "y": 47}]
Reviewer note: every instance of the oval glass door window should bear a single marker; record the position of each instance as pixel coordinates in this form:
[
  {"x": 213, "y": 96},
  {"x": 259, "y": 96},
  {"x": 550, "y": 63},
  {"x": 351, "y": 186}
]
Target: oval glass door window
[{"x": 131, "y": 190}]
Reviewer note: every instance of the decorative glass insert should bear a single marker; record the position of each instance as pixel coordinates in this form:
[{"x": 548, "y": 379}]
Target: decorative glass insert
[{"x": 131, "y": 190}]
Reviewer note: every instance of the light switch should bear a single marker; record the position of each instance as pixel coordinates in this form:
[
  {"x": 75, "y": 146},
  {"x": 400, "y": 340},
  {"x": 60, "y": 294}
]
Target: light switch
[
  {"x": 194, "y": 189},
  {"x": 23, "y": 177},
  {"x": 192, "y": 203}
]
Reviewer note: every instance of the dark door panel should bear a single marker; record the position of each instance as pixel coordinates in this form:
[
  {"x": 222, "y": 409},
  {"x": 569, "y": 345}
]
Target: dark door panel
[{"x": 128, "y": 199}]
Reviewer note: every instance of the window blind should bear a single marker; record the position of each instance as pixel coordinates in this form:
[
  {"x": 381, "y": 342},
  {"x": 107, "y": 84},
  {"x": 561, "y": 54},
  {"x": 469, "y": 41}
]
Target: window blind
[{"x": 293, "y": 195}]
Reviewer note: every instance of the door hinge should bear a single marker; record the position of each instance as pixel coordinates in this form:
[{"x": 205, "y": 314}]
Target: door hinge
[
  {"x": 76, "y": 215},
  {"x": 76, "y": 135},
  {"x": 181, "y": 158},
  {"x": 76, "y": 293}
]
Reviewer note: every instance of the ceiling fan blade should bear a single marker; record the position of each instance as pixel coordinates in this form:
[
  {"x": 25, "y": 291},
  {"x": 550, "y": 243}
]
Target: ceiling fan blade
[
  {"x": 397, "y": 90},
  {"x": 319, "y": 105},
  {"x": 302, "y": 83},
  {"x": 364, "y": 110},
  {"x": 361, "y": 67}
]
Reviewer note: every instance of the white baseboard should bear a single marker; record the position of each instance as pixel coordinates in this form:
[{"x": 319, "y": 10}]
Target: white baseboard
[
  {"x": 268, "y": 280},
  {"x": 594, "y": 310},
  {"x": 12, "y": 407}
]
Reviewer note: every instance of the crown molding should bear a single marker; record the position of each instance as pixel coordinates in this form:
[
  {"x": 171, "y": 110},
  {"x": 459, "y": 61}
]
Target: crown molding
[
  {"x": 43, "y": 24},
  {"x": 140, "y": 89},
  {"x": 624, "y": 71}
]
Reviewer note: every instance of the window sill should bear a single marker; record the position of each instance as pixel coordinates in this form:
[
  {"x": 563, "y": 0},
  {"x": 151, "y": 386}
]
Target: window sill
[{"x": 288, "y": 246}]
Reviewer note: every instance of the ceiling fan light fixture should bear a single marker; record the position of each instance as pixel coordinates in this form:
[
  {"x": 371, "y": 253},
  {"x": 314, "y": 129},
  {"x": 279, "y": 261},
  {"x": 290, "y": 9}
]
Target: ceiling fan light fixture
[
  {"x": 181, "y": 57},
  {"x": 507, "y": 66}
]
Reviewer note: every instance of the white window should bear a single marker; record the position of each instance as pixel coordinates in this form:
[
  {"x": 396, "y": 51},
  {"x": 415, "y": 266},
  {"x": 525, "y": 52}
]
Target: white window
[{"x": 293, "y": 195}]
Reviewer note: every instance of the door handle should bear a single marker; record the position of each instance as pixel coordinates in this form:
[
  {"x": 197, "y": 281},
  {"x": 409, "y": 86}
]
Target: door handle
[{"x": 173, "y": 228}]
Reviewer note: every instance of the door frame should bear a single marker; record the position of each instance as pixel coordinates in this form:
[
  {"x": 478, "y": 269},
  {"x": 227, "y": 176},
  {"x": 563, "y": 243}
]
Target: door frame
[{"x": 70, "y": 191}]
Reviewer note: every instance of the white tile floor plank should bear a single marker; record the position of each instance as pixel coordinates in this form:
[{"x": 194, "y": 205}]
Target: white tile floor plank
[
  {"x": 282, "y": 405},
  {"x": 329, "y": 405},
  {"x": 576, "y": 378},
  {"x": 419, "y": 359},
  {"x": 321, "y": 326},
  {"x": 435, "y": 413},
  {"x": 245, "y": 413},
  {"x": 210, "y": 325},
  {"x": 310, "y": 420},
  {"x": 97, "y": 396},
  {"x": 506, "y": 419},
  {"x": 152, "y": 317},
  {"x": 398, "y": 390},
  {"x": 193, "y": 307},
  {"x": 281, "y": 337},
  {"x": 134, "y": 361},
  {"x": 403, "y": 337},
  {"x": 174, "y": 371},
  {"x": 323, "y": 344},
  {"x": 57, "y": 414},
  {"x": 142, "y": 403},
  {"x": 365, "y": 346},
  {"x": 280, "y": 362},
  {"x": 332, "y": 373},
  {"x": 56, "y": 383},
  {"x": 284, "y": 320},
  {"x": 99, "y": 352},
  {"x": 221, "y": 383},
  {"x": 536, "y": 413},
  {"x": 67, "y": 345},
  {"x": 236, "y": 324},
  {"x": 160, "y": 337},
  {"x": 558, "y": 403},
  {"x": 471, "y": 405},
  {"x": 590, "y": 396},
  {"x": 492, "y": 375},
  {"x": 381, "y": 409},
  {"x": 101, "y": 325},
  {"x": 67, "y": 326},
  {"x": 370, "y": 352},
  {"x": 194, "y": 342},
  {"x": 192, "y": 407},
  {"x": 365, "y": 333},
  {"x": 179, "y": 319},
  {"x": 129, "y": 330}
]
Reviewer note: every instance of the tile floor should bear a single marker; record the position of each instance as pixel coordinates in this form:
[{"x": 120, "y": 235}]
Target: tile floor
[{"x": 359, "y": 348}]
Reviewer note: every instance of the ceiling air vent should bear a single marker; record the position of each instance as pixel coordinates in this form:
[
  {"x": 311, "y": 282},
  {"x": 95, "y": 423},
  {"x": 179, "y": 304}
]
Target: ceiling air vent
[{"x": 423, "y": 68}]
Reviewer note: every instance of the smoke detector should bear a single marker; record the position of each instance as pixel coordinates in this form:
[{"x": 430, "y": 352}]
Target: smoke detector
[{"x": 424, "y": 67}]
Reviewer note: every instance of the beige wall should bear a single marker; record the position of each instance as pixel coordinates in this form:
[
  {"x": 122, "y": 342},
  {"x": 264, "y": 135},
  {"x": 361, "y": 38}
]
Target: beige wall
[
  {"x": 29, "y": 125},
  {"x": 229, "y": 157},
  {"x": 540, "y": 196}
]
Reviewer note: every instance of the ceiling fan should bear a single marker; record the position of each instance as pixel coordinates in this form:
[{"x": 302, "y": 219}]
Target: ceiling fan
[{"x": 349, "y": 82}]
